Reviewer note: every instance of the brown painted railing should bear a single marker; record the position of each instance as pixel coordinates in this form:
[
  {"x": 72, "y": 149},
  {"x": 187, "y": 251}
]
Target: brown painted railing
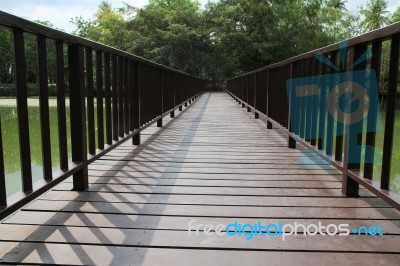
[
  {"x": 266, "y": 91},
  {"x": 130, "y": 92}
]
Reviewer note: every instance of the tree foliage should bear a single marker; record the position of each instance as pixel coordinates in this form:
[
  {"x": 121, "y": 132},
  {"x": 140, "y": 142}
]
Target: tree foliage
[{"x": 218, "y": 40}]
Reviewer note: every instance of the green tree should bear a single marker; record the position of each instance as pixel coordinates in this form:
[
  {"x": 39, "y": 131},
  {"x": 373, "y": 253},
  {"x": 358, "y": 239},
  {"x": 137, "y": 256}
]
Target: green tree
[
  {"x": 375, "y": 15},
  {"x": 6, "y": 58},
  {"x": 337, "y": 4},
  {"x": 395, "y": 16},
  {"x": 107, "y": 26},
  {"x": 171, "y": 33}
]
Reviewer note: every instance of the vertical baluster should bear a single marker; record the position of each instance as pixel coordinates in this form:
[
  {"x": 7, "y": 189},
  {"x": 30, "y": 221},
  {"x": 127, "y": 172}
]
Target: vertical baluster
[
  {"x": 291, "y": 140},
  {"x": 3, "y": 194},
  {"x": 268, "y": 111},
  {"x": 121, "y": 96},
  {"x": 372, "y": 115},
  {"x": 315, "y": 112},
  {"x": 390, "y": 112},
  {"x": 107, "y": 93},
  {"x": 160, "y": 97},
  {"x": 132, "y": 84},
  {"x": 90, "y": 101},
  {"x": 22, "y": 109},
  {"x": 99, "y": 94},
  {"x": 353, "y": 133},
  {"x": 126, "y": 95},
  {"x": 172, "y": 115},
  {"x": 303, "y": 104},
  {"x": 44, "y": 107},
  {"x": 115, "y": 97},
  {"x": 137, "y": 102},
  {"x": 78, "y": 114},
  {"x": 330, "y": 123},
  {"x": 61, "y": 113},
  {"x": 339, "y": 116},
  {"x": 322, "y": 108}
]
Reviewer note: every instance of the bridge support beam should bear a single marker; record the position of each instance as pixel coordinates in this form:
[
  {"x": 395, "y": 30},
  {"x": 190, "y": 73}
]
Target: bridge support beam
[
  {"x": 291, "y": 143},
  {"x": 136, "y": 139},
  {"x": 159, "y": 122}
]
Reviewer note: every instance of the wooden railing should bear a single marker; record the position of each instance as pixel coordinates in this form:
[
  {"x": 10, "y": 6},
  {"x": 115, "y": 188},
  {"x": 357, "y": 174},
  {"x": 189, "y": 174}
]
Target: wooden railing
[
  {"x": 130, "y": 92},
  {"x": 271, "y": 91}
]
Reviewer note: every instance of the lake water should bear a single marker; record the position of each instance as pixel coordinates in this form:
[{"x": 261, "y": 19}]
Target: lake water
[{"x": 8, "y": 112}]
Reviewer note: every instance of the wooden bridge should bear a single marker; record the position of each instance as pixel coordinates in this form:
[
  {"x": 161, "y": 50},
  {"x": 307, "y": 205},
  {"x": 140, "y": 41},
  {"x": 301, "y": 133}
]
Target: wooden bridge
[
  {"x": 171, "y": 163},
  {"x": 204, "y": 165}
]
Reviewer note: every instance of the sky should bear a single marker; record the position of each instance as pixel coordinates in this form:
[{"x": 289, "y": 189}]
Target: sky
[{"x": 60, "y": 12}]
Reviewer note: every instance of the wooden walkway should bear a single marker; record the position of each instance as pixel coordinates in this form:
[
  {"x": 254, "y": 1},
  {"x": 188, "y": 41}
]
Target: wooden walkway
[{"x": 213, "y": 163}]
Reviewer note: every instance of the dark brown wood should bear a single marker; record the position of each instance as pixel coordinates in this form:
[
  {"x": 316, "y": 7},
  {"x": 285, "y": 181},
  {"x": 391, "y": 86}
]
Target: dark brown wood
[
  {"x": 22, "y": 109},
  {"x": 61, "y": 112},
  {"x": 121, "y": 85},
  {"x": 115, "y": 109},
  {"x": 372, "y": 115},
  {"x": 126, "y": 93},
  {"x": 107, "y": 93},
  {"x": 90, "y": 102},
  {"x": 100, "y": 102},
  {"x": 44, "y": 107},
  {"x": 390, "y": 112},
  {"x": 3, "y": 194},
  {"x": 78, "y": 115},
  {"x": 352, "y": 147}
]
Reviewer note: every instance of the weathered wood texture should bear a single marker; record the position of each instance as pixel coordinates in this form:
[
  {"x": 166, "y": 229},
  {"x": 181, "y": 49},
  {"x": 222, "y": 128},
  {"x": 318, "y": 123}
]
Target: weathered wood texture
[{"x": 213, "y": 163}]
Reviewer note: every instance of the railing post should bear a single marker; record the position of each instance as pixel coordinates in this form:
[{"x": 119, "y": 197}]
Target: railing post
[
  {"x": 372, "y": 115},
  {"x": 291, "y": 140},
  {"x": 352, "y": 146},
  {"x": 61, "y": 113},
  {"x": 44, "y": 108},
  {"x": 78, "y": 114},
  {"x": 390, "y": 113},
  {"x": 136, "y": 105},
  {"x": 3, "y": 194},
  {"x": 22, "y": 109},
  {"x": 160, "y": 120}
]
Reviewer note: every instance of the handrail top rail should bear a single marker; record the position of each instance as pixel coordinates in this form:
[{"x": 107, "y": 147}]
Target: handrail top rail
[
  {"x": 378, "y": 34},
  {"x": 15, "y": 22}
]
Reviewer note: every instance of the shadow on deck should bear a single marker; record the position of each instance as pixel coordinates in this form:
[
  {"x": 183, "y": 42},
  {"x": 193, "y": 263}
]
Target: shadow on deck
[{"x": 206, "y": 166}]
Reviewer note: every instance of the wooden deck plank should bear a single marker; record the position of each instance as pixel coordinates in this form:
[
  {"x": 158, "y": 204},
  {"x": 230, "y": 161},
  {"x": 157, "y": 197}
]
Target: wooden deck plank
[
  {"x": 71, "y": 254},
  {"x": 220, "y": 200},
  {"x": 162, "y": 222},
  {"x": 181, "y": 239},
  {"x": 215, "y": 164},
  {"x": 214, "y": 211}
]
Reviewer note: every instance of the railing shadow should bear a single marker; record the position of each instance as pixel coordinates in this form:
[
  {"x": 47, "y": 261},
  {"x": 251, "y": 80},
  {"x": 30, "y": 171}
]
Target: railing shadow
[{"x": 43, "y": 232}]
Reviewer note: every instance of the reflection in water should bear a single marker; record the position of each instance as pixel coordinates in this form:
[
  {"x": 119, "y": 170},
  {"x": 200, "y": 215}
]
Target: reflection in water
[{"x": 11, "y": 144}]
